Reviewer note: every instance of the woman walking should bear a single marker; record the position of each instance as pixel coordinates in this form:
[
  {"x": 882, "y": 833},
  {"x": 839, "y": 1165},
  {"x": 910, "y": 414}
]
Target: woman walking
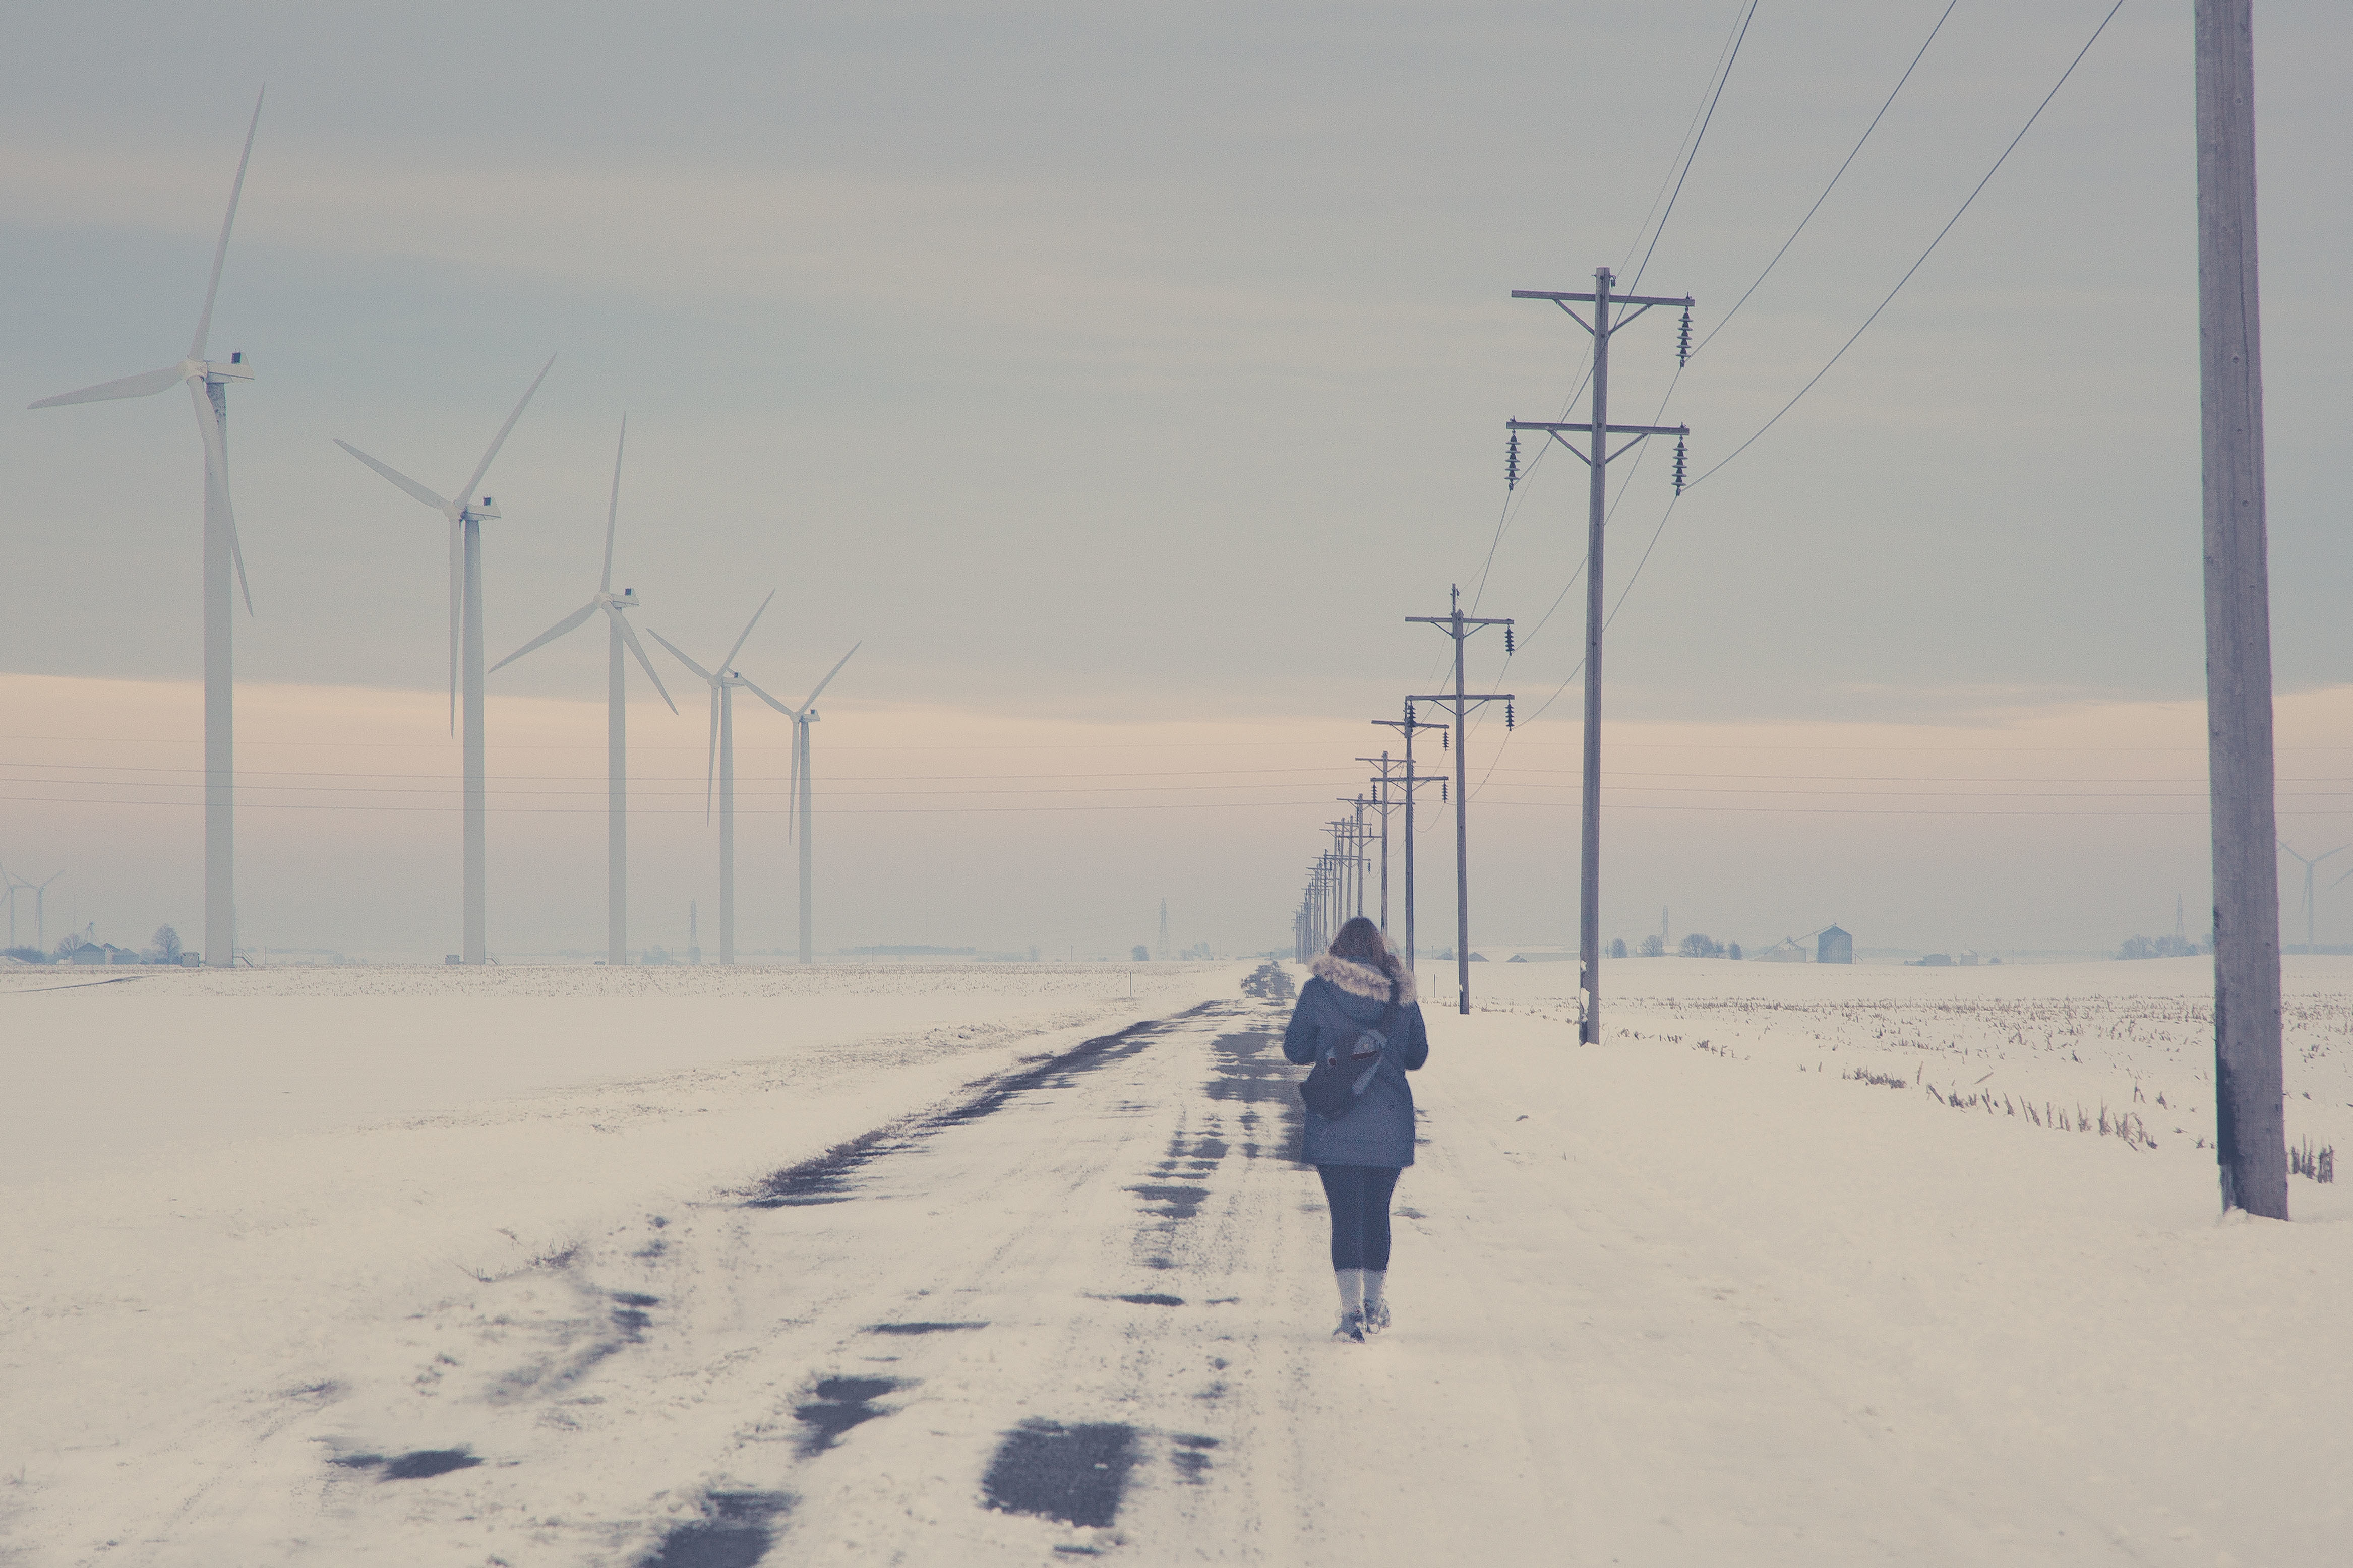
[{"x": 1360, "y": 1015}]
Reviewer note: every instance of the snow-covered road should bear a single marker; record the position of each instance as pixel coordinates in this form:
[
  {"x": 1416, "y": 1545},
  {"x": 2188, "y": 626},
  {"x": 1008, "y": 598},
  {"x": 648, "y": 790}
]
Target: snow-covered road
[{"x": 1659, "y": 1302}]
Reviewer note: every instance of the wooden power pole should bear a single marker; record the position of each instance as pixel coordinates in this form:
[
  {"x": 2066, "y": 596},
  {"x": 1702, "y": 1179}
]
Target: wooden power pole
[
  {"x": 1596, "y": 432},
  {"x": 2250, "y": 1134},
  {"x": 1459, "y": 626},
  {"x": 1409, "y": 782}
]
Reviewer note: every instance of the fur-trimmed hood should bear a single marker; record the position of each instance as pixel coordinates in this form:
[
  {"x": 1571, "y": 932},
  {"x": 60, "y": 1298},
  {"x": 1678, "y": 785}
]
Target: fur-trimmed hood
[{"x": 1361, "y": 979}]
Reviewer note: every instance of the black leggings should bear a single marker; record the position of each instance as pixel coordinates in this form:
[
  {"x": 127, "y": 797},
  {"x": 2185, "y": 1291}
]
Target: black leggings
[{"x": 1359, "y": 1196}]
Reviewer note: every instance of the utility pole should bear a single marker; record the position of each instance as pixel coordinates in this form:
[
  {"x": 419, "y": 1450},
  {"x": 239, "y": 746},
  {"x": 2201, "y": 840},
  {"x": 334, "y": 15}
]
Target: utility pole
[
  {"x": 1459, "y": 626},
  {"x": 1385, "y": 805},
  {"x": 1597, "y": 431},
  {"x": 1408, "y": 727},
  {"x": 2250, "y": 1131},
  {"x": 1355, "y": 836}
]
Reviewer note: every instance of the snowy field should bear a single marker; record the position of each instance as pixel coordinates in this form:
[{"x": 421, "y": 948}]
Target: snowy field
[{"x": 983, "y": 1264}]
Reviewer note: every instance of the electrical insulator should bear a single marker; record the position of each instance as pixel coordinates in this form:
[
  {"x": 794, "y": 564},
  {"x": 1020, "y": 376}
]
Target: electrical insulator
[
  {"x": 1512, "y": 463},
  {"x": 1679, "y": 464},
  {"x": 1441, "y": 790},
  {"x": 1408, "y": 713},
  {"x": 1683, "y": 344},
  {"x": 1508, "y": 718},
  {"x": 1509, "y": 645}
]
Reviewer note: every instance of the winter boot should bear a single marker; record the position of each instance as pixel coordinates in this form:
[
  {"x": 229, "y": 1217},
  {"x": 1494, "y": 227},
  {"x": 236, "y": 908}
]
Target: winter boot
[
  {"x": 1376, "y": 1304},
  {"x": 1352, "y": 1305}
]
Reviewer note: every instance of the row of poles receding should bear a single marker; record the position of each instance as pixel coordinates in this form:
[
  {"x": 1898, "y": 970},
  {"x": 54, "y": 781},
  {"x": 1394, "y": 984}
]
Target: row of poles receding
[
  {"x": 208, "y": 382},
  {"x": 1335, "y": 882}
]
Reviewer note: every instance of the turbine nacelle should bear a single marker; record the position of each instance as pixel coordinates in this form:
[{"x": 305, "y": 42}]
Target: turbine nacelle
[{"x": 485, "y": 511}]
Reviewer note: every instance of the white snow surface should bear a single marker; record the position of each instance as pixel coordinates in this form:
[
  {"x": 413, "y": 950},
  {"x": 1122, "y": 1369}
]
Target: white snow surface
[{"x": 1783, "y": 1272}]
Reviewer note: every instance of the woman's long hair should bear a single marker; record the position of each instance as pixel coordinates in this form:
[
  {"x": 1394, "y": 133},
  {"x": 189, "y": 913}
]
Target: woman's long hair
[{"x": 1361, "y": 941}]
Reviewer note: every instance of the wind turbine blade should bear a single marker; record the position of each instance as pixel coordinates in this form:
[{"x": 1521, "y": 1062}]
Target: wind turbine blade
[
  {"x": 2341, "y": 880},
  {"x": 216, "y": 474},
  {"x": 755, "y": 621},
  {"x": 792, "y": 795},
  {"x": 484, "y": 466},
  {"x": 550, "y": 634},
  {"x": 457, "y": 609},
  {"x": 768, "y": 700},
  {"x": 637, "y": 647},
  {"x": 397, "y": 478},
  {"x": 829, "y": 675},
  {"x": 220, "y": 251},
  {"x": 613, "y": 513},
  {"x": 678, "y": 656},
  {"x": 144, "y": 386},
  {"x": 711, "y": 768}
]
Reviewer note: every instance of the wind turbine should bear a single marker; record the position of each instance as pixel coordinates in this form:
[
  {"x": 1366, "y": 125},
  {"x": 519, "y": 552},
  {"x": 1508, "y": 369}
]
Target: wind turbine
[
  {"x": 9, "y": 884},
  {"x": 617, "y": 634},
  {"x": 40, "y": 891},
  {"x": 207, "y": 383},
  {"x": 2311, "y": 863},
  {"x": 722, "y": 766},
  {"x": 466, "y": 519},
  {"x": 803, "y": 717}
]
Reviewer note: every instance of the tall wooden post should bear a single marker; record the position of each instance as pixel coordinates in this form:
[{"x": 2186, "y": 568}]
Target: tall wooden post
[{"x": 2250, "y": 1139}]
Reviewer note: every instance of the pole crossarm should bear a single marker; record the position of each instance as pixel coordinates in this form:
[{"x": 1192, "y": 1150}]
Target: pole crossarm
[
  {"x": 1586, "y": 426},
  {"x": 1469, "y": 697},
  {"x": 1560, "y": 433},
  {"x": 1685, "y": 300},
  {"x": 1448, "y": 621},
  {"x": 1641, "y": 302}
]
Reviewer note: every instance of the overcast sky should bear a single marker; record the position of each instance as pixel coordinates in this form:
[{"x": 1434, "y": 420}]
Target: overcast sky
[{"x": 1104, "y": 366}]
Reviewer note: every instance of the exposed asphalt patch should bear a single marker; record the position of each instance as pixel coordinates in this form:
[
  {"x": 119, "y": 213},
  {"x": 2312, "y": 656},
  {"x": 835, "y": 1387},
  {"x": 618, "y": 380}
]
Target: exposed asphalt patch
[
  {"x": 1249, "y": 1067},
  {"x": 1269, "y": 983},
  {"x": 1191, "y": 1457},
  {"x": 826, "y": 1178},
  {"x": 1075, "y": 1474},
  {"x": 413, "y": 1466},
  {"x": 1149, "y": 1299},
  {"x": 919, "y": 1328},
  {"x": 840, "y": 1404},
  {"x": 734, "y": 1531},
  {"x": 1172, "y": 1203}
]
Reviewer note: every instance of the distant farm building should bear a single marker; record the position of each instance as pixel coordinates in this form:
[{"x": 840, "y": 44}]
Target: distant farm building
[
  {"x": 1834, "y": 946},
  {"x": 1788, "y": 950}
]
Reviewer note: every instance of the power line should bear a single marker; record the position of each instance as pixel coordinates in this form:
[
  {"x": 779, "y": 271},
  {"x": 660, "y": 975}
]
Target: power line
[
  {"x": 1933, "y": 244},
  {"x": 1834, "y": 180},
  {"x": 1720, "y": 81},
  {"x": 1657, "y": 532}
]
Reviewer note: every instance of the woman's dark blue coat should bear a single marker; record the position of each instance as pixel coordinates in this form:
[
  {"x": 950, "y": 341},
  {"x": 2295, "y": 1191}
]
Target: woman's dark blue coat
[{"x": 1344, "y": 999}]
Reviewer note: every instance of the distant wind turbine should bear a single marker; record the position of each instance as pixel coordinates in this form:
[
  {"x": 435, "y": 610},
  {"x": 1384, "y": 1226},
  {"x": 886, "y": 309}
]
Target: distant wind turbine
[
  {"x": 722, "y": 764},
  {"x": 207, "y": 384},
  {"x": 9, "y": 884},
  {"x": 40, "y": 891},
  {"x": 803, "y": 717},
  {"x": 466, "y": 519},
  {"x": 2311, "y": 863},
  {"x": 617, "y": 717}
]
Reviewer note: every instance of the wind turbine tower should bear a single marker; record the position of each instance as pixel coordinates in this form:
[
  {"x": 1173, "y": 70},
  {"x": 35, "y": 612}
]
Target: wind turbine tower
[
  {"x": 1161, "y": 951},
  {"x": 207, "y": 383},
  {"x": 2312, "y": 864},
  {"x": 803, "y": 717},
  {"x": 722, "y": 767},
  {"x": 466, "y": 519},
  {"x": 617, "y": 635}
]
